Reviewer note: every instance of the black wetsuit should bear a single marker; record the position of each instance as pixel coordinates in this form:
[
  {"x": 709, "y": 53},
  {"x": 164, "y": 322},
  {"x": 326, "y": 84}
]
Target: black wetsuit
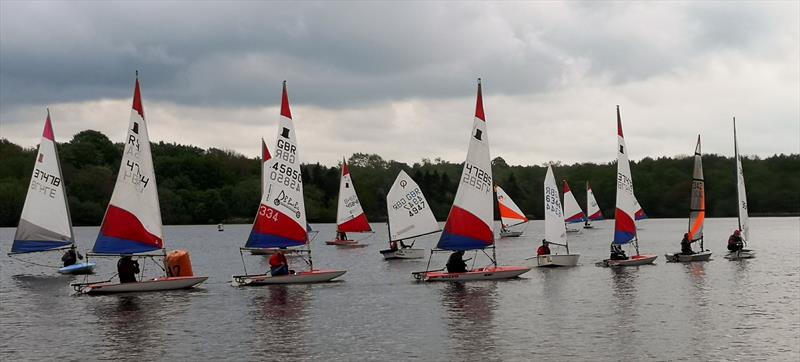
[
  {"x": 127, "y": 269},
  {"x": 455, "y": 264},
  {"x": 686, "y": 247},
  {"x": 69, "y": 257}
]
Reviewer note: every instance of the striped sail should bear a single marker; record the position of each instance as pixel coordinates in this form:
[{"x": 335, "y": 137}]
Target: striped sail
[
  {"x": 281, "y": 217},
  {"x": 409, "y": 213},
  {"x": 741, "y": 193},
  {"x": 469, "y": 222},
  {"x": 554, "y": 228},
  {"x": 45, "y": 222},
  {"x": 624, "y": 225},
  {"x": 510, "y": 213},
  {"x": 592, "y": 209},
  {"x": 572, "y": 211},
  {"x": 132, "y": 223},
  {"x": 350, "y": 217},
  {"x": 697, "y": 209}
]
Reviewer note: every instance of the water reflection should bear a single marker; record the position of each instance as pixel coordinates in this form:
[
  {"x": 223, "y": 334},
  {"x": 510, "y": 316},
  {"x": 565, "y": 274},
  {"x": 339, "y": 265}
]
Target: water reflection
[
  {"x": 623, "y": 287},
  {"x": 45, "y": 284},
  {"x": 470, "y": 310},
  {"x": 281, "y": 320}
]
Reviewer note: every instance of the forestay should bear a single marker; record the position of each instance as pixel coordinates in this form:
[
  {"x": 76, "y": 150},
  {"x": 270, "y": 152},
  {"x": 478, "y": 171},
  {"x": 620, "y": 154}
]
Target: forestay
[
  {"x": 554, "y": 229},
  {"x": 624, "y": 225},
  {"x": 45, "y": 222},
  {"x": 281, "y": 217},
  {"x": 409, "y": 213},
  {"x": 350, "y": 216},
  {"x": 510, "y": 213},
  {"x": 697, "y": 209},
  {"x": 469, "y": 222},
  {"x": 572, "y": 211},
  {"x": 132, "y": 223}
]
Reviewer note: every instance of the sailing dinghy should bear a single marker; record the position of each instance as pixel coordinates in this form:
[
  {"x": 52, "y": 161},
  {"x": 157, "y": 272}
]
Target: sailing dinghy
[
  {"x": 555, "y": 231},
  {"x": 572, "y": 211},
  {"x": 45, "y": 223},
  {"x": 410, "y": 217},
  {"x": 510, "y": 214},
  {"x": 469, "y": 224},
  {"x": 132, "y": 223},
  {"x": 280, "y": 222},
  {"x": 624, "y": 224},
  {"x": 350, "y": 217},
  {"x": 697, "y": 213},
  {"x": 592, "y": 209},
  {"x": 741, "y": 197}
]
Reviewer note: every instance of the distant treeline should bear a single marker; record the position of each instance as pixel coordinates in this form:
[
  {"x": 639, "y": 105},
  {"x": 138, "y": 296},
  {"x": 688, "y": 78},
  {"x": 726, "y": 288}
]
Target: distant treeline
[{"x": 197, "y": 186}]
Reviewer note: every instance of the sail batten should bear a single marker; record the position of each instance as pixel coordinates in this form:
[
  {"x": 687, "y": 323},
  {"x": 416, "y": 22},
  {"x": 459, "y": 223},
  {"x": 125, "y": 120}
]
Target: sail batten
[
  {"x": 409, "y": 213},
  {"x": 45, "y": 222},
  {"x": 469, "y": 222}
]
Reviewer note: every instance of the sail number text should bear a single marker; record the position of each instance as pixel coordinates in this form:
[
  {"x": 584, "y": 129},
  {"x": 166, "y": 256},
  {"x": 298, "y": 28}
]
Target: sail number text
[
  {"x": 45, "y": 183},
  {"x": 477, "y": 178},
  {"x": 551, "y": 201},
  {"x": 412, "y": 202},
  {"x": 283, "y": 173},
  {"x": 624, "y": 183}
]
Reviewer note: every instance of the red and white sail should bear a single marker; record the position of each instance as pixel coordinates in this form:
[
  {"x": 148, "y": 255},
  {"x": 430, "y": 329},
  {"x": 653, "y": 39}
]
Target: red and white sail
[
  {"x": 350, "y": 217},
  {"x": 281, "y": 217},
  {"x": 624, "y": 224},
  {"x": 555, "y": 230},
  {"x": 132, "y": 223},
  {"x": 469, "y": 224},
  {"x": 45, "y": 222},
  {"x": 510, "y": 213},
  {"x": 572, "y": 211},
  {"x": 592, "y": 209}
]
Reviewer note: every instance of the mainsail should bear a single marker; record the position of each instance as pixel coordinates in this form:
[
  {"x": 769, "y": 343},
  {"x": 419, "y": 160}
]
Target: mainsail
[
  {"x": 132, "y": 223},
  {"x": 409, "y": 213},
  {"x": 624, "y": 225},
  {"x": 281, "y": 217},
  {"x": 741, "y": 195},
  {"x": 469, "y": 222},
  {"x": 350, "y": 217},
  {"x": 572, "y": 211},
  {"x": 510, "y": 213},
  {"x": 697, "y": 209},
  {"x": 592, "y": 209},
  {"x": 639, "y": 215},
  {"x": 45, "y": 222},
  {"x": 554, "y": 229}
]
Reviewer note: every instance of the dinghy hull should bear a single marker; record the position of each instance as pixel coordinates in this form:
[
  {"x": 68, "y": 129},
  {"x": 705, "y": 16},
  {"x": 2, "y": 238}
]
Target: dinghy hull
[
  {"x": 405, "y": 253},
  {"x": 80, "y": 268},
  {"x": 555, "y": 260},
  {"x": 491, "y": 273},
  {"x": 345, "y": 243},
  {"x": 741, "y": 254},
  {"x": 635, "y": 260},
  {"x": 153, "y": 285},
  {"x": 681, "y": 258},
  {"x": 305, "y": 277},
  {"x": 510, "y": 234}
]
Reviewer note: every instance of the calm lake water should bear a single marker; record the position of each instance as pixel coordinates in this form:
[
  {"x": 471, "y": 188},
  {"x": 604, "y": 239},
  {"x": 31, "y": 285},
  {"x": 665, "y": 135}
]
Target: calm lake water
[{"x": 718, "y": 310}]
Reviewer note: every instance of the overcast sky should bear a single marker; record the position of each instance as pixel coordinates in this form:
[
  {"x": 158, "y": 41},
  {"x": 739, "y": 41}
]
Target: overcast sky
[{"x": 399, "y": 79}]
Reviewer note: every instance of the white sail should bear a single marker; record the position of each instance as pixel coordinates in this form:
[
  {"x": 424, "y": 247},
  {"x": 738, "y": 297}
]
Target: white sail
[
  {"x": 554, "y": 229},
  {"x": 409, "y": 213},
  {"x": 510, "y": 213},
  {"x": 741, "y": 196},
  {"x": 572, "y": 211},
  {"x": 45, "y": 222},
  {"x": 350, "y": 216},
  {"x": 592, "y": 209}
]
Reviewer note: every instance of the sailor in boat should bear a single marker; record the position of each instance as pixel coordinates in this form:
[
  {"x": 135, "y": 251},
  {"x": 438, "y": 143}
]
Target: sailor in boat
[
  {"x": 735, "y": 242},
  {"x": 70, "y": 257},
  {"x": 340, "y": 235},
  {"x": 686, "y": 245},
  {"x": 127, "y": 268},
  {"x": 278, "y": 265},
  {"x": 617, "y": 253},
  {"x": 455, "y": 264},
  {"x": 544, "y": 249},
  {"x": 393, "y": 245}
]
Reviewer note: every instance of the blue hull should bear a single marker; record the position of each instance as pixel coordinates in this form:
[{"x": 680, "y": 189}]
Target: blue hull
[{"x": 80, "y": 268}]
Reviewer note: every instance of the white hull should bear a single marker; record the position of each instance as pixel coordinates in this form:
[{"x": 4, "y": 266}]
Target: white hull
[
  {"x": 572, "y": 231},
  {"x": 555, "y": 260},
  {"x": 678, "y": 257},
  {"x": 510, "y": 234},
  {"x": 314, "y": 276},
  {"x": 501, "y": 272},
  {"x": 406, "y": 253},
  {"x": 153, "y": 285},
  {"x": 637, "y": 260},
  {"x": 741, "y": 254}
]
